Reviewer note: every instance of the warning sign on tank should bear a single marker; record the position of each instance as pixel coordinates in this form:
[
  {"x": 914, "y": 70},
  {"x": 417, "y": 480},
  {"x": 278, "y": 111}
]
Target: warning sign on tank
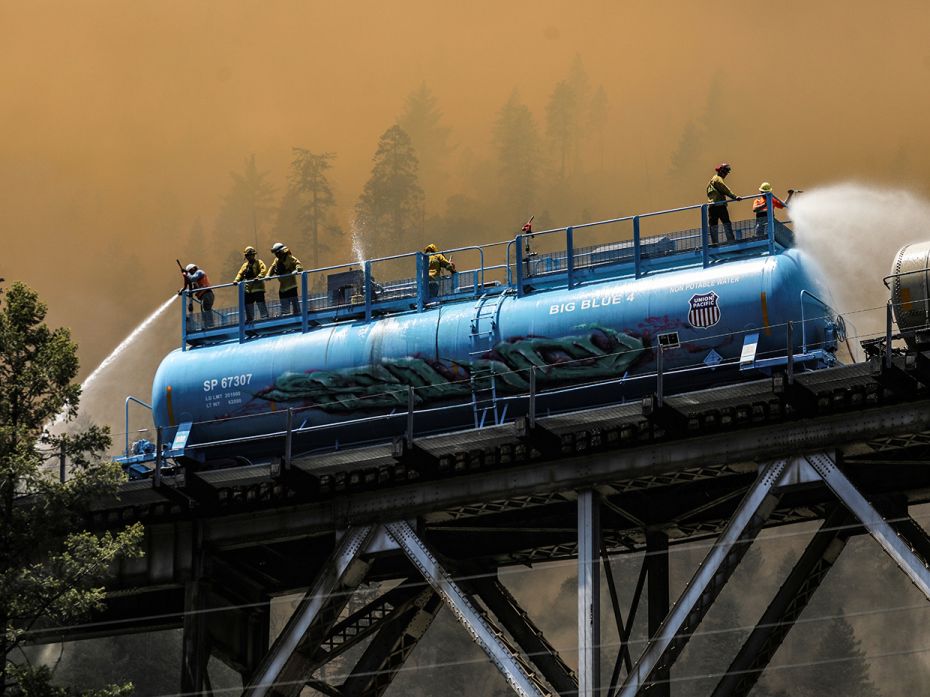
[{"x": 704, "y": 312}]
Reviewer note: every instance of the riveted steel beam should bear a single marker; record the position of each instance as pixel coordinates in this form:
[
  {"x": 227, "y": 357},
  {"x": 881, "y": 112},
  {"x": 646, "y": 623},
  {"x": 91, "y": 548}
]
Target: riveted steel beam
[
  {"x": 528, "y": 636},
  {"x": 491, "y": 639},
  {"x": 896, "y": 547},
  {"x": 793, "y": 596},
  {"x": 385, "y": 655},
  {"x": 709, "y": 579},
  {"x": 286, "y": 667},
  {"x": 589, "y": 593}
]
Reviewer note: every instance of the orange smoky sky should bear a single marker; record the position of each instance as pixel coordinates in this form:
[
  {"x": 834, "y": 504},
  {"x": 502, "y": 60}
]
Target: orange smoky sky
[{"x": 121, "y": 121}]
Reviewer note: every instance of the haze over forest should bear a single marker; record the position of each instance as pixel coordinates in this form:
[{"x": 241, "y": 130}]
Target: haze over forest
[
  {"x": 124, "y": 122},
  {"x": 137, "y": 133}
]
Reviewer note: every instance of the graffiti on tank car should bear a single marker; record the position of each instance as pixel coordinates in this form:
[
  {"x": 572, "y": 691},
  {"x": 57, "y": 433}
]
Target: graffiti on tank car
[{"x": 601, "y": 352}]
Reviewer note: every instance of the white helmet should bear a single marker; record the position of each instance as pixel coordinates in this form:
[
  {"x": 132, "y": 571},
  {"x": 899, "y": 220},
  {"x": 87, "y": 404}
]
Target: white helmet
[
  {"x": 277, "y": 247},
  {"x": 190, "y": 268}
]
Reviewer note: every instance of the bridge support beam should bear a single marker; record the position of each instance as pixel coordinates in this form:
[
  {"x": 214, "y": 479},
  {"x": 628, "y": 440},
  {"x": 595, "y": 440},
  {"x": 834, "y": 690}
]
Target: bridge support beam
[
  {"x": 287, "y": 666},
  {"x": 657, "y": 593},
  {"x": 589, "y": 593},
  {"x": 896, "y": 547},
  {"x": 491, "y": 639},
  {"x": 530, "y": 638},
  {"x": 385, "y": 655},
  {"x": 195, "y": 651},
  {"x": 708, "y": 580},
  {"x": 795, "y": 593}
]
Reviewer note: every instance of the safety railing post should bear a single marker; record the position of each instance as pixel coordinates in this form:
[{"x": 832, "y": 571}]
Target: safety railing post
[
  {"x": 637, "y": 249},
  {"x": 518, "y": 250},
  {"x": 705, "y": 237},
  {"x": 570, "y": 256},
  {"x": 789, "y": 331},
  {"x": 532, "y": 407},
  {"x": 411, "y": 402},
  {"x": 129, "y": 399},
  {"x": 422, "y": 281},
  {"x": 368, "y": 290},
  {"x": 289, "y": 439},
  {"x": 240, "y": 288},
  {"x": 158, "y": 457},
  {"x": 660, "y": 377},
  {"x": 183, "y": 321},
  {"x": 770, "y": 221},
  {"x": 888, "y": 320},
  {"x": 304, "y": 302}
]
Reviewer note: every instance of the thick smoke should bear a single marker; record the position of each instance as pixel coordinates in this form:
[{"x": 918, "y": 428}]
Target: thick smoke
[{"x": 854, "y": 232}]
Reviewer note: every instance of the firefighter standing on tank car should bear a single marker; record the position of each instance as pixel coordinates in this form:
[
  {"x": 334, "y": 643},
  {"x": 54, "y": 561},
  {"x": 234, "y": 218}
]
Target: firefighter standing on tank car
[
  {"x": 717, "y": 194},
  {"x": 252, "y": 270},
  {"x": 195, "y": 278},
  {"x": 761, "y": 209},
  {"x": 287, "y": 266},
  {"x": 437, "y": 262}
]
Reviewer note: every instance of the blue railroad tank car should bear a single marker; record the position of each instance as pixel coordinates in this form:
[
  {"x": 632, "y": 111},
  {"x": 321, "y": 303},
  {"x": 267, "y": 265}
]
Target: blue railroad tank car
[{"x": 589, "y": 324}]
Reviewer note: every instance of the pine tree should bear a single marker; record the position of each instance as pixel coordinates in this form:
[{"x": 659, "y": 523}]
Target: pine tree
[
  {"x": 516, "y": 141},
  {"x": 50, "y": 568},
  {"x": 389, "y": 213},
  {"x": 247, "y": 207},
  {"x": 422, "y": 120},
  {"x": 840, "y": 666},
  {"x": 315, "y": 200}
]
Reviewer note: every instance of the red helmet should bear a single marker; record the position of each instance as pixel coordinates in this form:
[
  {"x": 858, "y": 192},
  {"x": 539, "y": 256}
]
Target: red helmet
[{"x": 722, "y": 166}]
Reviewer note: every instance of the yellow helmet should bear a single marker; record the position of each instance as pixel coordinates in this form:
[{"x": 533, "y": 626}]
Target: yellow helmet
[
  {"x": 430, "y": 248},
  {"x": 765, "y": 187},
  {"x": 249, "y": 250}
]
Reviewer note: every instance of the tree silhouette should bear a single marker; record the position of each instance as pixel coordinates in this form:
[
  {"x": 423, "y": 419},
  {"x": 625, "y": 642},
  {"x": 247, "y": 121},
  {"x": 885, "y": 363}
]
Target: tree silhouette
[
  {"x": 516, "y": 141},
  {"x": 390, "y": 210},
  {"x": 314, "y": 197},
  {"x": 422, "y": 120},
  {"x": 246, "y": 208}
]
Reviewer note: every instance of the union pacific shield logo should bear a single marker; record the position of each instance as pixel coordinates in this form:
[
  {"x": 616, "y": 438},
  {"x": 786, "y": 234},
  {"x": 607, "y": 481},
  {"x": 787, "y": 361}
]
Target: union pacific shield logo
[{"x": 704, "y": 310}]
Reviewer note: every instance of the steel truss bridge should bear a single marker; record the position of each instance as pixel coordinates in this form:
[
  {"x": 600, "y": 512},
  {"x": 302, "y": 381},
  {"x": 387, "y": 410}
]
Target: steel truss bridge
[{"x": 848, "y": 446}]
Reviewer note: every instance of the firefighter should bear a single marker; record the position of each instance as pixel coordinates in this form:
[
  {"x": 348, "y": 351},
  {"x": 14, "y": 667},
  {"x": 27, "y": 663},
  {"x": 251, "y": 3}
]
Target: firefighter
[
  {"x": 252, "y": 270},
  {"x": 196, "y": 280},
  {"x": 287, "y": 266},
  {"x": 760, "y": 207},
  {"x": 437, "y": 262},
  {"x": 717, "y": 194}
]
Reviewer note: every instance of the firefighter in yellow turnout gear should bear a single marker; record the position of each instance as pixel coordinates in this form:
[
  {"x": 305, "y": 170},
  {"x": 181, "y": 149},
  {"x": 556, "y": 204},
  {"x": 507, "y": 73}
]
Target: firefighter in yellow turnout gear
[
  {"x": 437, "y": 262},
  {"x": 287, "y": 266},
  {"x": 251, "y": 271}
]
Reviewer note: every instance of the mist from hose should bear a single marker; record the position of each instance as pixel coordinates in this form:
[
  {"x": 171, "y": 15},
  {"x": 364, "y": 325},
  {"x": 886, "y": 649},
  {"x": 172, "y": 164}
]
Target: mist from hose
[
  {"x": 103, "y": 408},
  {"x": 854, "y": 231},
  {"x": 126, "y": 343}
]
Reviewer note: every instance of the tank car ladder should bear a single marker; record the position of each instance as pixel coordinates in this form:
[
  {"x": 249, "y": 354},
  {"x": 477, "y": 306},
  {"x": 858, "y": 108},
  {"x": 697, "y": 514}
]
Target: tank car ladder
[
  {"x": 483, "y": 337},
  {"x": 484, "y": 324}
]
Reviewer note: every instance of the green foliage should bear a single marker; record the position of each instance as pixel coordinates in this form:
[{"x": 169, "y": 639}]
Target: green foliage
[
  {"x": 390, "y": 210},
  {"x": 50, "y": 568}
]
